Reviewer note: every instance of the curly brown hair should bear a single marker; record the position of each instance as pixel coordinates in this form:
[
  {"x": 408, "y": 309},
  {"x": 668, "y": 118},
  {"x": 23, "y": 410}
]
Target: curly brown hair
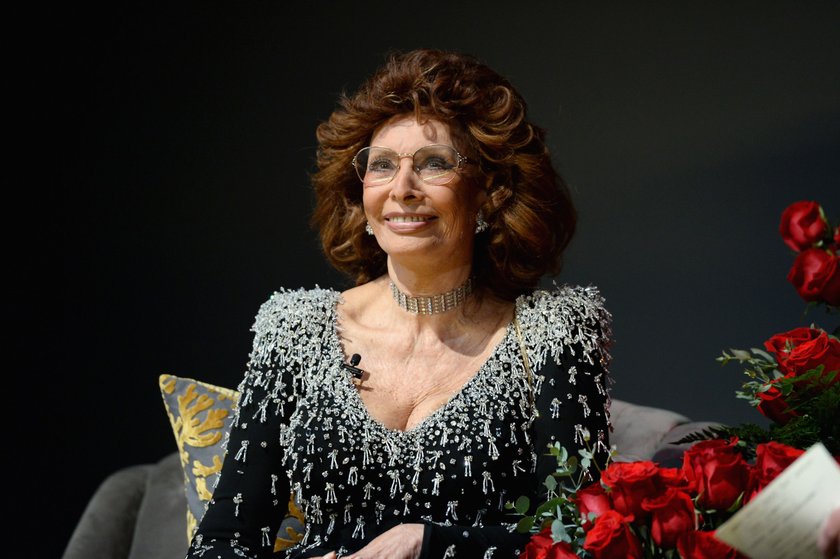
[{"x": 528, "y": 207}]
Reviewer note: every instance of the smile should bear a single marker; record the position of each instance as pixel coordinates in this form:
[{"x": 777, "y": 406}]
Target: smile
[{"x": 409, "y": 219}]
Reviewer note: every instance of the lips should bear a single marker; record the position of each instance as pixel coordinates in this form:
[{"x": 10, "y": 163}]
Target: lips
[
  {"x": 408, "y": 223},
  {"x": 409, "y": 218}
]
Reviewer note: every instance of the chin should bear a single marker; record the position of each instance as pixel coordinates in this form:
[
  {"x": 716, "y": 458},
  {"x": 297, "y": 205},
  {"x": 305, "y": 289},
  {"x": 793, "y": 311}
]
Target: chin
[{"x": 427, "y": 248}]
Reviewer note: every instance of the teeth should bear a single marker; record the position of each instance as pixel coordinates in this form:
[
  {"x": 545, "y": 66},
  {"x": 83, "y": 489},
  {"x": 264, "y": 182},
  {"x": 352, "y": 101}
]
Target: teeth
[{"x": 407, "y": 219}]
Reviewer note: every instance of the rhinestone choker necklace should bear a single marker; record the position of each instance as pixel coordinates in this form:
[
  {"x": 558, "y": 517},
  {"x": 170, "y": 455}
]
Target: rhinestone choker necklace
[{"x": 432, "y": 304}]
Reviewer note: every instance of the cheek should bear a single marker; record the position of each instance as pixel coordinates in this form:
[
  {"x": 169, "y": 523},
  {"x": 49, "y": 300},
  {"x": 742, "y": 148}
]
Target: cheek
[
  {"x": 371, "y": 200},
  {"x": 461, "y": 216}
]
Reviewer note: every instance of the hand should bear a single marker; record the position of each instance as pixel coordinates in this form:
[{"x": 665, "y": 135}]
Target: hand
[
  {"x": 400, "y": 542},
  {"x": 828, "y": 539}
]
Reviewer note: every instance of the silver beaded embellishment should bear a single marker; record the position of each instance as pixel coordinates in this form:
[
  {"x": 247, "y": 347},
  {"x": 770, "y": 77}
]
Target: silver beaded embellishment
[{"x": 432, "y": 304}]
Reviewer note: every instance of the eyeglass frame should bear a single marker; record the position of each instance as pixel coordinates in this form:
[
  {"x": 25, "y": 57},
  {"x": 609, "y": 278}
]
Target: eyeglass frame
[{"x": 461, "y": 162}]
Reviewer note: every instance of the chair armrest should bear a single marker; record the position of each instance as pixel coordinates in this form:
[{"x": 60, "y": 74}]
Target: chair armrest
[
  {"x": 161, "y": 528},
  {"x": 639, "y": 431},
  {"x": 106, "y": 527}
]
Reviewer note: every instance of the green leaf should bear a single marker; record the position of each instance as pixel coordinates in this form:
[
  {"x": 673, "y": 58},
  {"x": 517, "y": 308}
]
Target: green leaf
[
  {"x": 737, "y": 504},
  {"x": 550, "y": 483},
  {"x": 522, "y": 504},
  {"x": 558, "y": 532},
  {"x": 548, "y": 505},
  {"x": 525, "y": 524},
  {"x": 564, "y": 454},
  {"x": 766, "y": 356},
  {"x": 740, "y": 354}
]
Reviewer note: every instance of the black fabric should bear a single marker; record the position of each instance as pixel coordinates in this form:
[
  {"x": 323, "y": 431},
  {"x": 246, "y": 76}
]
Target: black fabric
[{"x": 570, "y": 399}]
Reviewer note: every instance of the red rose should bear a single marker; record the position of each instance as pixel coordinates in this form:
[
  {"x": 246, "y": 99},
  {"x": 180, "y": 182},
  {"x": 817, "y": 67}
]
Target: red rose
[
  {"x": 631, "y": 482},
  {"x": 802, "y": 225},
  {"x": 611, "y": 538},
  {"x": 704, "y": 545},
  {"x": 672, "y": 477},
  {"x": 771, "y": 459},
  {"x": 672, "y": 515},
  {"x": 543, "y": 546},
  {"x": 816, "y": 276},
  {"x": 716, "y": 472},
  {"x": 591, "y": 499},
  {"x": 782, "y": 344},
  {"x": 773, "y": 406},
  {"x": 803, "y": 349}
]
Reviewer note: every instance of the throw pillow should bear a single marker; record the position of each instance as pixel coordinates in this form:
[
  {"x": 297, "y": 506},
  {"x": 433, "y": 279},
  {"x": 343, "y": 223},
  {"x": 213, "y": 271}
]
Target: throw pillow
[{"x": 200, "y": 415}]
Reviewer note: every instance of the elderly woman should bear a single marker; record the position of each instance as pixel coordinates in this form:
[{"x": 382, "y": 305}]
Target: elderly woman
[{"x": 402, "y": 414}]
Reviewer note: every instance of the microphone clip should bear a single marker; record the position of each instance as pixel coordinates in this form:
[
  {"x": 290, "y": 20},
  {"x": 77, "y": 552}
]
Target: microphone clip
[{"x": 352, "y": 368}]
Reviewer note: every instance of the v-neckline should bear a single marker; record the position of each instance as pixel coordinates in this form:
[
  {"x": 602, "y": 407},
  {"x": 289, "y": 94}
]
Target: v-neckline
[{"x": 356, "y": 399}]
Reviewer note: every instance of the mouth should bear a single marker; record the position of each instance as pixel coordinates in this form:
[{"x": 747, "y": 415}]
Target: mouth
[
  {"x": 410, "y": 218},
  {"x": 408, "y": 224}
]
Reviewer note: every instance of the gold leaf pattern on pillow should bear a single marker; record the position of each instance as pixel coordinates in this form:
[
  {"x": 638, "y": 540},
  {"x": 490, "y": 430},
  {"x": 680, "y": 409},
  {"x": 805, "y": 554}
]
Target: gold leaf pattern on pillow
[
  {"x": 200, "y": 414},
  {"x": 292, "y": 529}
]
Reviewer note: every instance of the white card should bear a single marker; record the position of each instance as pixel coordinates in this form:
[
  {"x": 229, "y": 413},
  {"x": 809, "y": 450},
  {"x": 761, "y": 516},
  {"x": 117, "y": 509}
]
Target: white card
[{"x": 783, "y": 520}]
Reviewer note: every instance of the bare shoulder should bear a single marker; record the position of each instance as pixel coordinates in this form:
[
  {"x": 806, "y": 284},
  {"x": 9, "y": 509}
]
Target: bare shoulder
[{"x": 362, "y": 301}]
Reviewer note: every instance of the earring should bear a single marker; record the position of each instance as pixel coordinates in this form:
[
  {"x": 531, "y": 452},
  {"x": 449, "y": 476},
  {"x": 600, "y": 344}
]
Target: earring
[
  {"x": 480, "y": 224},
  {"x": 368, "y": 229}
]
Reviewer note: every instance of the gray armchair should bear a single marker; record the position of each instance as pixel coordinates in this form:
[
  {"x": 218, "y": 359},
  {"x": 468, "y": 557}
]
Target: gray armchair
[{"x": 139, "y": 512}]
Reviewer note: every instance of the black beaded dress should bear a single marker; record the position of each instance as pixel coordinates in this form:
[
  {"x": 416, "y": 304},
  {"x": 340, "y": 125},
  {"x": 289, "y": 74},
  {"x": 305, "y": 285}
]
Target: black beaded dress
[{"x": 301, "y": 427}]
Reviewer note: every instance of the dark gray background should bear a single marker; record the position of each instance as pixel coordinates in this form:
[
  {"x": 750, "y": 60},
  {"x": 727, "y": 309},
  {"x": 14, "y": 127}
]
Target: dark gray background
[{"x": 684, "y": 128}]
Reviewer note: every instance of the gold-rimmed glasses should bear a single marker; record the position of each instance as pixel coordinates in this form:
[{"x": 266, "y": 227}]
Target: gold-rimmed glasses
[{"x": 436, "y": 164}]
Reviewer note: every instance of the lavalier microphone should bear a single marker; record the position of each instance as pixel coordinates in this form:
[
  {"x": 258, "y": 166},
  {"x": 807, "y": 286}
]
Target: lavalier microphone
[{"x": 354, "y": 370}]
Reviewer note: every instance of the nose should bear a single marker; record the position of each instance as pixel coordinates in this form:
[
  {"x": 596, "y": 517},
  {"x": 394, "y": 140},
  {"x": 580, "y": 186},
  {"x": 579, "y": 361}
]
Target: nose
[{"x": 406, "y": 184}]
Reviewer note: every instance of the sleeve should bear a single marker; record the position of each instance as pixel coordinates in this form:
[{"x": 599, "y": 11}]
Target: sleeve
[
  {"x": 470, "y": 542},
  {"x": 572, "y": 408},
  {"x": 252, "y": 494}
]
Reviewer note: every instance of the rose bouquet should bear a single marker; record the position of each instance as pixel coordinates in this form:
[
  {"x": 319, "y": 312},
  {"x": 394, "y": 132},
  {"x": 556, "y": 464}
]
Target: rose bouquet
[
  {"x": 643, "y": 510},
  {"x": 793, "y": 381}
]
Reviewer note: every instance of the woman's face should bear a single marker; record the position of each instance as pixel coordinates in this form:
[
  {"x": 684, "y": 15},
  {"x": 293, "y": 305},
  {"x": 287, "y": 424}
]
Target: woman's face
[{"x": 416, "y": 222}]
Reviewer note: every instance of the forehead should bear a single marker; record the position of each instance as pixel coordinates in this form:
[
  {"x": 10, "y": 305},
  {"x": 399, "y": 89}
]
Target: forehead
[{"x": 404, "y": 132}]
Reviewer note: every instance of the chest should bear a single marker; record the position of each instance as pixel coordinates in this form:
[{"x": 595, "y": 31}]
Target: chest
[
  {"x": 400, "y": 398},
  {"x": 405, "y": 382},
  {"x": 474, "y": 449}
]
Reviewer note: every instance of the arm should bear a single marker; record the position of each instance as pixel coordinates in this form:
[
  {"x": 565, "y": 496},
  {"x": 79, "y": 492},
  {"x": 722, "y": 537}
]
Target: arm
[
  {"x": 243, "y": 511},
  {"x": 434, "y": 541},
  {"x": 252, "y": 495},
  {"x": 573, "y": 388},
  {"x": 573, "y": 411}
]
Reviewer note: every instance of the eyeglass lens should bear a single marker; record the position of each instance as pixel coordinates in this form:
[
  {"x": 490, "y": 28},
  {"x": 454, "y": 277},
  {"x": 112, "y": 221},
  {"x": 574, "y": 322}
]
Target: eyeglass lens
[{"x": 435, "y": 164}]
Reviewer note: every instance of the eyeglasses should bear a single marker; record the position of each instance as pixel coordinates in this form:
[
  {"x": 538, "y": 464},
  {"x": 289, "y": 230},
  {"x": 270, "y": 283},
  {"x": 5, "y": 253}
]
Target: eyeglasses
[{"x": 435, "y": 164}]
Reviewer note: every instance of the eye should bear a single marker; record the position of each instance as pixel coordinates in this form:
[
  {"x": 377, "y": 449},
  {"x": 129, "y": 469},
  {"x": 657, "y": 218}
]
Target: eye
[
  {"x": 435, "y": 163},
  {"x": 381, "y": 164},
  {"x": 435, "y": 159}
]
